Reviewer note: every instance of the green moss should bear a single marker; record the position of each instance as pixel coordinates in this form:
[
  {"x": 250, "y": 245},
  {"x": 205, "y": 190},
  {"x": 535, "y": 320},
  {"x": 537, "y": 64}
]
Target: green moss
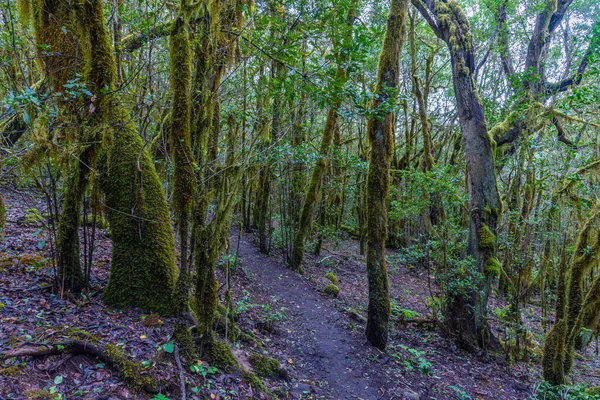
[
  {"x": 131, "y": 372},
  {"x": 13, "y": 370},
  {"x": 264, "y": 365},
  {"x": 554, "y": 354},
  {"x": 331, "y": 290},
  {"x": 38, "y": 394},
  {"x": 331, "y": 276},
  {"x": 180, "y": 129},
  {"x": 183, "y": 336},
  {"x": 221, "y": 356},
  {"x": 12, "y": 341},
  {"x": 492, "y": 267},
  {"x": 487, "y": 239},
  {"x": 142, "y": 271},
  {"x": 80, "y": 334},
  {"x": 254, "y": 381}
]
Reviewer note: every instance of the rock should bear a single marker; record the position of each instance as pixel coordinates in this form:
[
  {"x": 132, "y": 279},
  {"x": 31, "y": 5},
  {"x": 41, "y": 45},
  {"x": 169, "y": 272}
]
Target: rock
[{"x": 410, "y": 395}]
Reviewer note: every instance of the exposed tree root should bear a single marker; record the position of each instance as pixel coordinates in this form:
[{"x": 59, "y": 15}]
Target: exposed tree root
[{"x": 110, "y": 355}]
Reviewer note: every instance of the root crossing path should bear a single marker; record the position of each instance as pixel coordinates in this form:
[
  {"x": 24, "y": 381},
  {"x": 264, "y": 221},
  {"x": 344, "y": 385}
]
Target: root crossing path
[{"x": 314, "y": 335}]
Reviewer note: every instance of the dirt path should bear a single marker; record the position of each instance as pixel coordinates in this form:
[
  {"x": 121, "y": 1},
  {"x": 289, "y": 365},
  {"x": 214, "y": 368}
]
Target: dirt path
[{"x": 320, "y": 346}]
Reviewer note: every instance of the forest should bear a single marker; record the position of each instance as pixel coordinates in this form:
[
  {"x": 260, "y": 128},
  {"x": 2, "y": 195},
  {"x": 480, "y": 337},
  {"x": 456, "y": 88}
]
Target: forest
[{"x": 300, "y": 199}]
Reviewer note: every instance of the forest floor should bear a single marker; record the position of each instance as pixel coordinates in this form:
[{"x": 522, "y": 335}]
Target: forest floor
[{"x": 318, "y": 339}]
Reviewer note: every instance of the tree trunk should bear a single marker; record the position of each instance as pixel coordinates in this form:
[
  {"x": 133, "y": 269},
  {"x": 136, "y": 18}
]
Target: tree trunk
[{"x": 380, "y": 132}]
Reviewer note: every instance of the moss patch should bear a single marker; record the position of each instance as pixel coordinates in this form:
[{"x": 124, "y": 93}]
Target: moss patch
[
  {"x": 264, "y": 365},
  {"x": 253, "y": 381},
  {"x": 221, "y": 356},
  {"x": 131, "y": 372},
  {"x": 13, "y": 370},
  {"x": 487, "y": 239},
  {"x": 80, "y": 334},
  {"x": 331, "y": 290},
  {"x": 331, "y": 276},
  {"x": 492, "y": 267},
  {"x": 38, "y": 394},
  {"x": 183, "y": 336}
]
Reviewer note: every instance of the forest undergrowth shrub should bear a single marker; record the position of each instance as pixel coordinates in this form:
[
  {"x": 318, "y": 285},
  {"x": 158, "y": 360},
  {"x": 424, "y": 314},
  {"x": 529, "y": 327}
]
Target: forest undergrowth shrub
[{"x": 545, "y": 391}]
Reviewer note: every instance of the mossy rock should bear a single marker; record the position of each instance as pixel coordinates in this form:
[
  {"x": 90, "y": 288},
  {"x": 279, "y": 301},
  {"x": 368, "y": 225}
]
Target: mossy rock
[
  {"x": 331, "y": 290},
  {"x": 331, "y": 276},
  {"x": 221, "y": 356},
  {"x": 264, "y": 366}
]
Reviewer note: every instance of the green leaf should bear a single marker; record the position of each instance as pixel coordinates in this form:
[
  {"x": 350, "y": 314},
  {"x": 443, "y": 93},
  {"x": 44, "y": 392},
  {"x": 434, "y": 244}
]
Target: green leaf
[
  {"x": 168, "y": 347},
  {"x": 58, "y": 380},
  {"x": 60, "y": 347},
  {"x": 160, "y": 396}
]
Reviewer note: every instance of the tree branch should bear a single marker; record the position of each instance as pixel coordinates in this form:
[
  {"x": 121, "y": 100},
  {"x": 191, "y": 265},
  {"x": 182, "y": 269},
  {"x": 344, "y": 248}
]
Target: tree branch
[{"x": 418, "y": 4}]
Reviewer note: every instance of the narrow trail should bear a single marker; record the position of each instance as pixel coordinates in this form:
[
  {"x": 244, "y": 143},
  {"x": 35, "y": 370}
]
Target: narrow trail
[{"x": 314, "y": 334}]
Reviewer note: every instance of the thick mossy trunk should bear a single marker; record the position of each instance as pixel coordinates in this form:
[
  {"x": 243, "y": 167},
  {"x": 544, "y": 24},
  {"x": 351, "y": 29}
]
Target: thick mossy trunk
[
  {"x": 142, "y": 271},
  {"x": 380, "y": 132}
]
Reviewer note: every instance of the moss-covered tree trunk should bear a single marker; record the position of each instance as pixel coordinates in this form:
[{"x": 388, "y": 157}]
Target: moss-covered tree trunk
[
  {"x": 49, "y": 20},
  {"x": 467, "y": 303},
  {"x": 573, "y": 311},
  {"x": 380, "y": 132},
  {"x": 70, "y": 276},
  {"x": 180, "y": 143}
]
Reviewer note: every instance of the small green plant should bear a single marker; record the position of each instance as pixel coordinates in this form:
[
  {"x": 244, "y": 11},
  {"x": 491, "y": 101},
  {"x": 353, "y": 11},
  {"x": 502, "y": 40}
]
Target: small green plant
[
  {"x": 244, "y": 303},
  {"x": 545, "y": 391},
  {"x": 411, "y": 359},
  {"x": 204, "y": 370},
  {"x": 461, "y": 394},
  {"x": 402, "y": 313},
  {"x": 33, "y": 216}
]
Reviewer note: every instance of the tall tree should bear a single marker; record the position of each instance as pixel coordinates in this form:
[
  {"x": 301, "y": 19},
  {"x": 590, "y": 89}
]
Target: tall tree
[
  {"x": 467, "y": 304},
  {"x": 380, "y": 132}
]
